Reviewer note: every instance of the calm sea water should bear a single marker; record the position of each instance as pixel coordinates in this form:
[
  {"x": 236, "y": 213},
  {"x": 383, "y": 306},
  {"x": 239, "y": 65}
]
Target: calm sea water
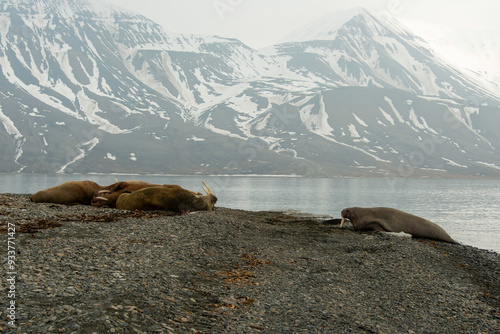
[{"x": 469, "y": 210}]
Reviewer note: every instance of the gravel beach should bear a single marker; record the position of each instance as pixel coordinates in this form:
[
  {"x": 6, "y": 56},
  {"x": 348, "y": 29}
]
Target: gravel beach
[{"x": 80, "y": 269}]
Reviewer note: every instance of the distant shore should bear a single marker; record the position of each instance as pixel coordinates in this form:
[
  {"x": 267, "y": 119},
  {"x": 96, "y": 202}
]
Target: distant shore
[{"x": 83, "y": 269}]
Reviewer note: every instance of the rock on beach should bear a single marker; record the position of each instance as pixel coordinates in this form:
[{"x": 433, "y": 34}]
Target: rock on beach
[{"x": 81, "y": 269}]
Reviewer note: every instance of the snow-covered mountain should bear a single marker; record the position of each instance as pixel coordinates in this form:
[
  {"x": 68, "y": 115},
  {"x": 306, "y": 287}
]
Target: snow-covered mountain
[{"x": 88, "y": 87}]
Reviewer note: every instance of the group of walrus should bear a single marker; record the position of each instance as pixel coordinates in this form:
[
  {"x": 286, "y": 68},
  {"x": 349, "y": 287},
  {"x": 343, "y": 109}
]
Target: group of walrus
[
  {"x": 128, "y": 195},
  {"x": 140, "y": 195}
]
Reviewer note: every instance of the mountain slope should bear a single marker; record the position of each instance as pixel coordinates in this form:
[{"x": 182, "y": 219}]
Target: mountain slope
[
  {"x": 88, "y": 87},
  {"x": 382, "y": 104},
  {"x": 367, "y": 51}
]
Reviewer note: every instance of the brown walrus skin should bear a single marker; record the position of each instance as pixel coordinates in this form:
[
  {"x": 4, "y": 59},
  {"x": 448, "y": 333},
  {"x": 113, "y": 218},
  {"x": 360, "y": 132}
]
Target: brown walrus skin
[
  {"x": 172, "y": 198},
  {"x": 109, "y": 194},
  {"x": 393, "y": 220},
  {"x": 71, "y": 192}
]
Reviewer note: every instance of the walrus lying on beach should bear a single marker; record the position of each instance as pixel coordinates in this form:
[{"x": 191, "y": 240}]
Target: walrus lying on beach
[
  {"x": 108, "y": 195},
  {"x": 393, "y": 220},
  {"x": 172, "y": 198},
  {"x": 71, "y": 192}
]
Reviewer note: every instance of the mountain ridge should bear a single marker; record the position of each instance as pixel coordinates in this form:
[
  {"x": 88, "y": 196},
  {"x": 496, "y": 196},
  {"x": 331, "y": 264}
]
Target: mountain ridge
[{"x": 120, "y": 94}]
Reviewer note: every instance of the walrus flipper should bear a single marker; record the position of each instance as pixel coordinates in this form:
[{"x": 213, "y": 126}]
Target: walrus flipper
[{"x": 374, "y": 226}]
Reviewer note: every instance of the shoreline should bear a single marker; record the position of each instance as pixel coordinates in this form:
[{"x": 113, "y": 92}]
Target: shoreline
[
  {"x": 398, "y": 177},
  {"x": 456, "y": 219},
  {"x": 236, "y": 271}
]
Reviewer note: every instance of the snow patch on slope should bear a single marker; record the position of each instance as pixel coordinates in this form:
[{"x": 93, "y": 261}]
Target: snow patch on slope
[
  {"x": 91, "y": 144},
  {"x": 490, "y": 165},
  {"x": 9, "y": 126},
  {"x": 353, "y": 131},
  {"x": 360, "y": 121},
  {"x": 316, "y": 122},
  {"x": 387, "y": 116},
  {"x": 91, "y": 108},
  {"x": 394, "y": 110},
  {"x": 453, "y": 163}
]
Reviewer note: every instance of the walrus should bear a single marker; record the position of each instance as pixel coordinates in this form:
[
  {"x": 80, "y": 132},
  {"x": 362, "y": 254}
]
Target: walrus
[
  {"x": 393, "y": 220},
  {"x": 172, "y": 198},
  {"x": 109, "y": 194},
  {"x": 71, "y": 192}
]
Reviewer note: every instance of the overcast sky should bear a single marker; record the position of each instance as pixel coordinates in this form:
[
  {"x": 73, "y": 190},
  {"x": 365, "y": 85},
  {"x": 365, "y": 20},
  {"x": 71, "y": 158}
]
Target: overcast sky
[{"x": 259, "y": 23}]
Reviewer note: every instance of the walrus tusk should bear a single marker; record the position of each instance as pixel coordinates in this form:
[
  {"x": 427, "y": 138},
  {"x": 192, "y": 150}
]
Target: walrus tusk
[
  {"x": 209, "y": 191},
  {"x": 101, "y": 198},
  {"x": 104, "y": 192},
  {"x": 206, "y": 191},
  {"x": 342, "y": 222}
]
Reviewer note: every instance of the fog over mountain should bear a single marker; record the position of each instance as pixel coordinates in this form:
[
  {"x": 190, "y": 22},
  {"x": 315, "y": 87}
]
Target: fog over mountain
[
  {"x": 476, "y": 51},
  {"x": 87, "y": 87}
]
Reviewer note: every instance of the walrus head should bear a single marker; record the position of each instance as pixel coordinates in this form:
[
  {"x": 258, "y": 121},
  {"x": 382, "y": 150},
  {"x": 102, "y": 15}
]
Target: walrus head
[
  {"x": 98, "y": 198},
  {"x": 108, "y": 195},
  {"x": 102, "y": 197},
  {"x": 205, "y": 202},
  {"x": 347, "y": 214},
  {"x": 362, "y": 219}
]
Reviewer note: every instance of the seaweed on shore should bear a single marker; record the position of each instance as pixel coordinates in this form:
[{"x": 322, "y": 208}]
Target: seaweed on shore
[
  {"x": 18, "y": 208},
  {"x": 32, "y": 226}
]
